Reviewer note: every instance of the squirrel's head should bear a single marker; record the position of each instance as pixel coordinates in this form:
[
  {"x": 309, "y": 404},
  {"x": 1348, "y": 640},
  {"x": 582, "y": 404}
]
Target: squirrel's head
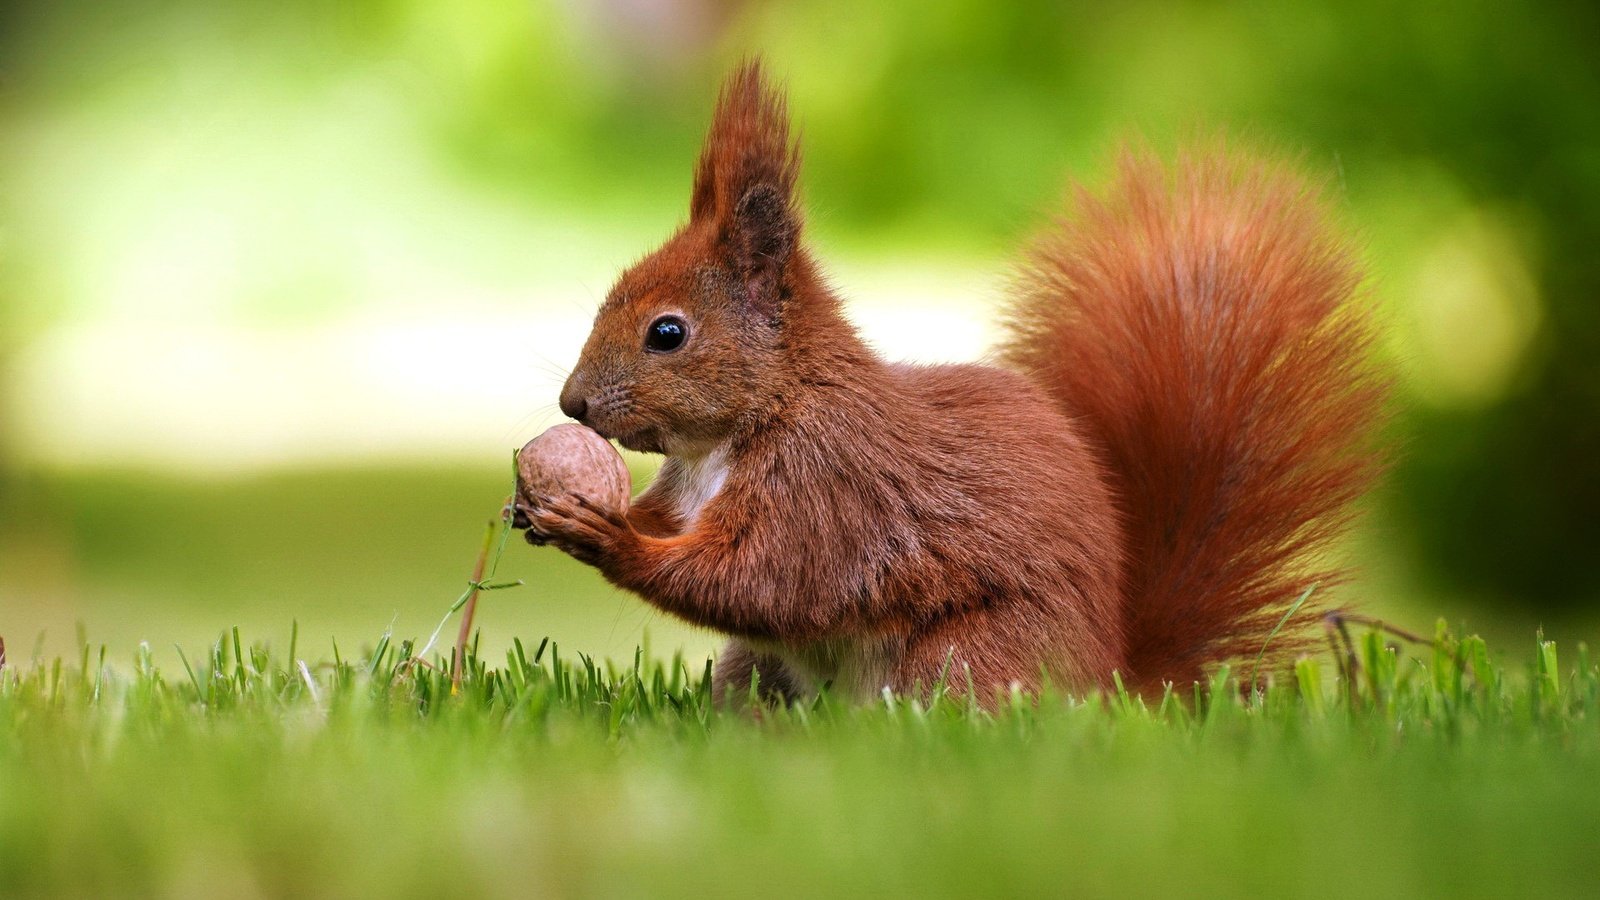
[{"x": 689, "y": 340}]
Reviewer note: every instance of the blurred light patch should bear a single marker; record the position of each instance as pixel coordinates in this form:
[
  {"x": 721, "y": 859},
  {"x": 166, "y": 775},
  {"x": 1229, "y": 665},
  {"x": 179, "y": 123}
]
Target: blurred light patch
[
  {"x": 227, "y": 397},
  {"x": 1475, "y": 309},
  {"x": 388, "y": 384}
]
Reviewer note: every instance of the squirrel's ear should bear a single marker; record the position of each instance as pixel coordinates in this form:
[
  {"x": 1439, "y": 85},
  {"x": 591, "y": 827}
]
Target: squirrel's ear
[
  {"x": 760, "y": 239},
  {"x": 744, "y": 182}
]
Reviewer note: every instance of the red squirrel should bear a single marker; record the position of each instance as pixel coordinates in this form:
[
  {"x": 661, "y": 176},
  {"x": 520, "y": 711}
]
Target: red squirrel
[{"x": 1175, "y": 427}]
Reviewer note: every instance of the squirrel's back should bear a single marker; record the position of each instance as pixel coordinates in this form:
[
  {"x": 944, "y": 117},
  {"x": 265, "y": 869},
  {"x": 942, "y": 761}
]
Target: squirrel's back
[{"x": 1205, "y": 323}]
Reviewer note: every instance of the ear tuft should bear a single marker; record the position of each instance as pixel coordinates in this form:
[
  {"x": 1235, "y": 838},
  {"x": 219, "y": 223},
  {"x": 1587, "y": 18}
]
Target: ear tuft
[{"x": 748, "y": 146}]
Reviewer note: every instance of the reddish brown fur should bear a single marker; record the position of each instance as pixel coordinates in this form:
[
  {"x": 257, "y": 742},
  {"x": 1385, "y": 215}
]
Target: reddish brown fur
[
  {"x": 1206, "y": 325},
  {"x": 866, "y": 524}
]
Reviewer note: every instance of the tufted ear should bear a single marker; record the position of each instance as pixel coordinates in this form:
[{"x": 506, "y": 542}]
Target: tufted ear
[{"x": 744, "y": 184}]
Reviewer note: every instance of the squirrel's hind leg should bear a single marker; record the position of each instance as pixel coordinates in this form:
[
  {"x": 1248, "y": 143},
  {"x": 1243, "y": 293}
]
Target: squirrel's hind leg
[{"x": 738, "y": 664}]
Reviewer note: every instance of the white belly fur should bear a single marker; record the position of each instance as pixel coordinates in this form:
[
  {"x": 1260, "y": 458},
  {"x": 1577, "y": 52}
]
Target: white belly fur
[{"x": 852, "y": 668}]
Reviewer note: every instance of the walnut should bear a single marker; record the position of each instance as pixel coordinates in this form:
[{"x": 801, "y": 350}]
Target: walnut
[{"x": 572, "y": 459}]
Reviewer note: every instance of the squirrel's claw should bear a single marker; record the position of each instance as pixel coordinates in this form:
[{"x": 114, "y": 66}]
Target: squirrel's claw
[
  {"x": 577, "y": 527},
  {"x": 522, "y": 519},
  {"x": 519, "y": 514},
  {"x": 615, "y": 517}
]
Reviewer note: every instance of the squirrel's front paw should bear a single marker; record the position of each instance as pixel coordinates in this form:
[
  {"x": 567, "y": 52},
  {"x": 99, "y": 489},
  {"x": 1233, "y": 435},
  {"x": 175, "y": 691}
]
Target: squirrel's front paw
[{"x": 578, "y": 527}]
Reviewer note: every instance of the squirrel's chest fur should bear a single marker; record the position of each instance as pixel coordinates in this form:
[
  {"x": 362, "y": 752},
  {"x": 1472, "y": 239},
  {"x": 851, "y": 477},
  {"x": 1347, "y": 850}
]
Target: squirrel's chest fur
[{"x": 695, "y": 481}]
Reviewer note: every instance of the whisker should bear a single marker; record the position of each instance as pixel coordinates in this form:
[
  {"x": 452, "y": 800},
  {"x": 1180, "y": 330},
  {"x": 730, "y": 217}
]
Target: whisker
[
  {"x": 595, "y": 300},
  {"x": 535, "y": 420},
  {"x": 550, "y": 372},
  {"x": 554, "y": 368}
]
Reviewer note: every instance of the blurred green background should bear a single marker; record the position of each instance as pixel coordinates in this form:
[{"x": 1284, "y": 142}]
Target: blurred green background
[{"x": 281, "y": 283}]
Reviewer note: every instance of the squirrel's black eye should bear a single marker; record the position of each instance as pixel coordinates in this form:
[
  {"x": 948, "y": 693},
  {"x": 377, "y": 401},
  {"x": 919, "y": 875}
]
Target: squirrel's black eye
[{"x": 666, "y": 334}]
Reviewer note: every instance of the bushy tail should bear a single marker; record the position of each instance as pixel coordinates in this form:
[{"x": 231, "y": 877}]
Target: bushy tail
[{"x": 1206, "y": 323}]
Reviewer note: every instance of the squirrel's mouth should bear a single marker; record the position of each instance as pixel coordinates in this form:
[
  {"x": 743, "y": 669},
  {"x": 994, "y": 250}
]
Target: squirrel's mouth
[{"x": 642, "y": 441}]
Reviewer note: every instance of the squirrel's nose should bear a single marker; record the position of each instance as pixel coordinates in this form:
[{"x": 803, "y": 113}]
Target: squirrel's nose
[{"x": 574, "y": 406}]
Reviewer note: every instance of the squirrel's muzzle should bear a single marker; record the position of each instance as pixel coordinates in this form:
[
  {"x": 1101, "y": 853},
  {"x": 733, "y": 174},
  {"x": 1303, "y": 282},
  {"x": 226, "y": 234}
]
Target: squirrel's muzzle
[{"x": 573, "y": 404}]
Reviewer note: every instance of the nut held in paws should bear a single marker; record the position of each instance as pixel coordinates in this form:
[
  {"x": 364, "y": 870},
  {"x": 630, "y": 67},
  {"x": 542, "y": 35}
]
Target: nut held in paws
[{"x": 572, "y": 459}]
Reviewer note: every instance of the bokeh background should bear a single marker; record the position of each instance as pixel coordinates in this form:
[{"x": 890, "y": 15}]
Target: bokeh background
[{"x": 282, "y": 283}]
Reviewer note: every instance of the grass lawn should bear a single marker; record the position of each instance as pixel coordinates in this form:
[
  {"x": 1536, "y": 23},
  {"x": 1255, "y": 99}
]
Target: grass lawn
[{"x": 241, "y": 773}]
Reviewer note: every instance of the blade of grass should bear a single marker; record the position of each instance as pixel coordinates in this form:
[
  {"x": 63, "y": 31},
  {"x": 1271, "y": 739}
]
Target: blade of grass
[
  {"x": 481, "y": 571},
  {"x": 199, "y": 694},
  {"x": 1294, "y": 608}
]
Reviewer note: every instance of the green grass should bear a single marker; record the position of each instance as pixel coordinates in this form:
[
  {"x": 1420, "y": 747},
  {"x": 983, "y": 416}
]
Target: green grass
[{"x": 1433, "y": 771}]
